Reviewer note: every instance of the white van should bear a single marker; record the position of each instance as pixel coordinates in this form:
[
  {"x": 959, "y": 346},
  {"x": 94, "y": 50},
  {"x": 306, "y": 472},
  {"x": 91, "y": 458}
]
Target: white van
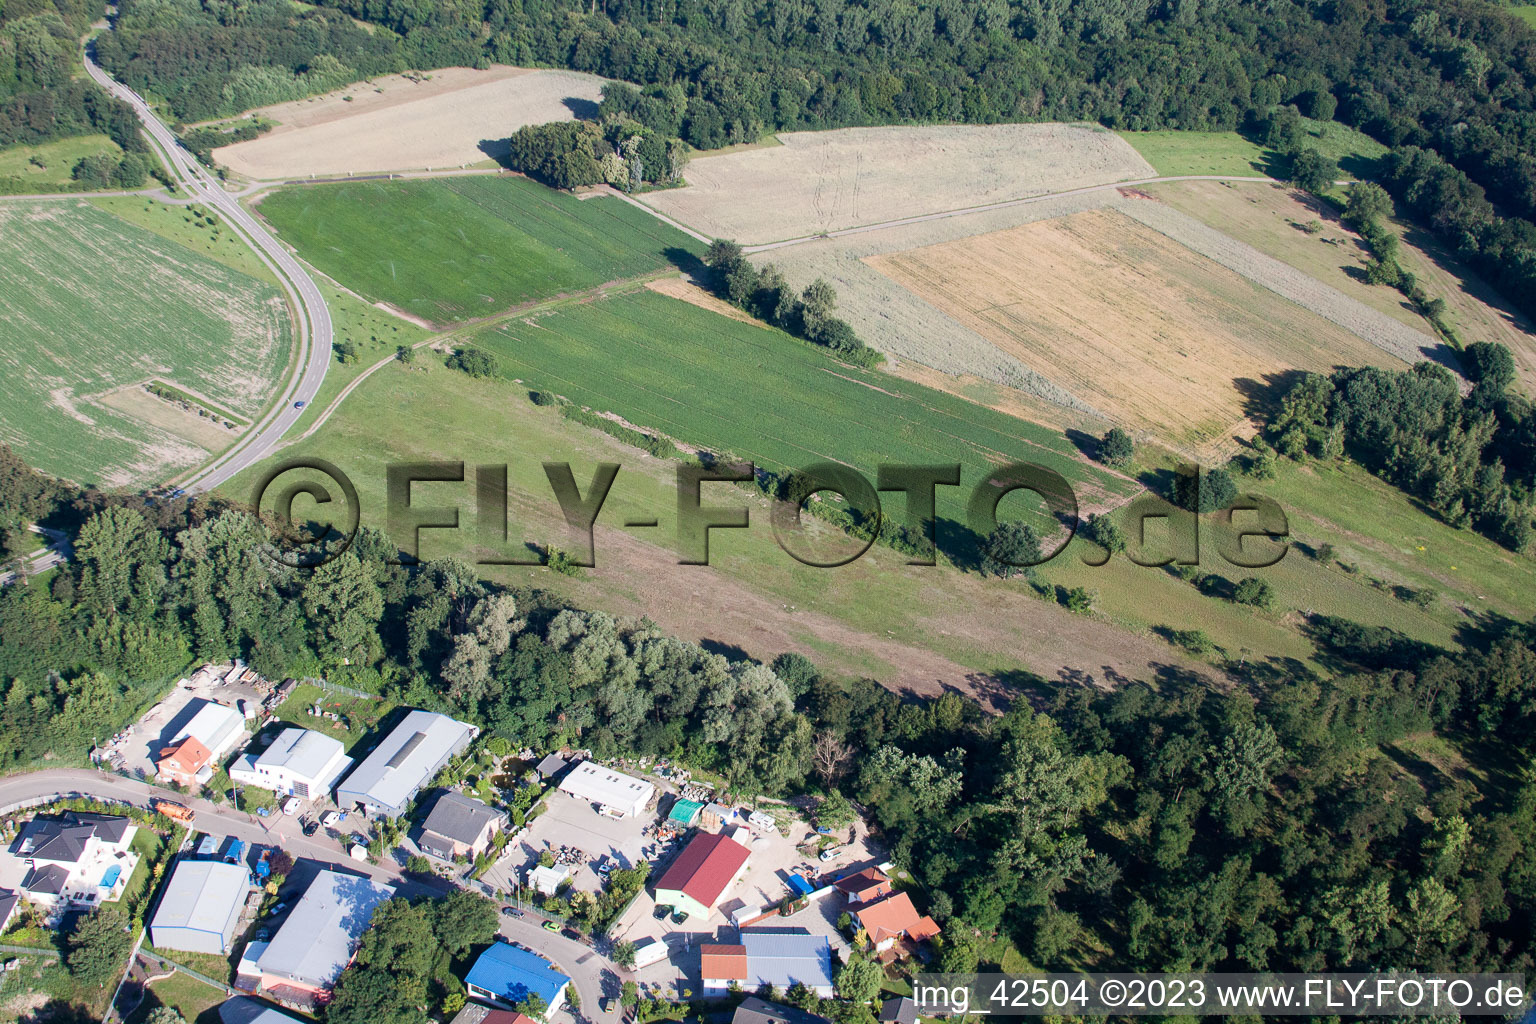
[{"x": 292, "y": 804}]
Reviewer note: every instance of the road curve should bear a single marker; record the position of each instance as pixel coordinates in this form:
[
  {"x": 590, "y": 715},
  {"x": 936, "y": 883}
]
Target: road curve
[
  {"x": 314, "y": 318},
  {"x": 592, "y": 975}
]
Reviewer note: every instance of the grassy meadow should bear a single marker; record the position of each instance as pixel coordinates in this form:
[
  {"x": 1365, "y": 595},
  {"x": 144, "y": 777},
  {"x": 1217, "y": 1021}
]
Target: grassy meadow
[
  {"x": 53, "y": 163},
  {"x": 1177, "y": 152},
  {"x": 454, "y": 249},
  {"x": 91, "y": 307}
]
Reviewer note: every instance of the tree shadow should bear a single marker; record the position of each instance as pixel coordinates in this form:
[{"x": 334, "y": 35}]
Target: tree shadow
[
  {"x": 1084, "y": 442},
  {"x": 689, "y": 264},
  {"x": 499, "y": 150},
  {"x": 1261, "y": 398},
  {"x": 728, "y": 651},
  {"x": 58, "y": 1011},
  {"x": 580, "y": 107}
]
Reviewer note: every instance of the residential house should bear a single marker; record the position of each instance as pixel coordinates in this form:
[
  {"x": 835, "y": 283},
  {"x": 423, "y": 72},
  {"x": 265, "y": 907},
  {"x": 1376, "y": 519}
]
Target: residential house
[
  {"x": 708, "y": 866},
  {"x": 300, "y": 762},
  {"x": 244, "y": 1010},
  {"x": 474, "y": 1013},
  {"x": 301, "y": 963},
  {"x": 891, "y": 919},
  {"x": 758, "y": 1011},
  {"x": 200, "y": 908},
  {"x": 10, "y": 900},
  {"x": 616, "y": 794},
  {"x": 900, "y": 1010},
  {"x": 505, "y": 975},
  {"x": 865, "y": 886},
  {"x": 416, "y": 750},
  {"x": 722, "y": 965},
  {"x": 460, "y": 826},
  {"x": 216, "y": 728},
  {"x": 75, "y": 859}
]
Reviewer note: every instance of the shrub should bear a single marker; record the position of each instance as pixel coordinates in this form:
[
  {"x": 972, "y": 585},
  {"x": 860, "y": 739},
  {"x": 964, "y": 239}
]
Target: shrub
[
  {"x": 1254, "y": 591},
  {"x": 475, "y": 362}
]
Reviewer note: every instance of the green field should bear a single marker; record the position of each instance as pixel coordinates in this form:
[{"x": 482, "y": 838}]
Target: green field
[
  {"x": 361, "y": 714},
  {"x": 193, "y": 999},
  {"x": 94, "y": 306},
  {"x": 52, "y": 163},
  {"x": 732, "y": 387},
  {"x": 1525, "y": 12},
  {"x": 1355, "y": 152},
  {"x": 454, "y": 249},
  {"x": 1176, "y": 152}
]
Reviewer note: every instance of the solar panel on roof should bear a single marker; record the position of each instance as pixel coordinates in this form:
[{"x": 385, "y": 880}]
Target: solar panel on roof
[{"x": 405, "y": 751}]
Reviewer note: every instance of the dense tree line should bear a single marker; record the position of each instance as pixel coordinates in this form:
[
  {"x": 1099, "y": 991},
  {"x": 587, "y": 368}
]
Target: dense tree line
[
  {"x": 40, "y": 97},
  {"x": 1453, "y": 80},
  {"x": 1472, "y": 458},
  {"x": 767, "y": 295},
  {"x": 1167, "y": 826}
]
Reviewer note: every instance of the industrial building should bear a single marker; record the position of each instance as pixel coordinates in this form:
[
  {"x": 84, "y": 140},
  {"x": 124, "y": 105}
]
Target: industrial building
[
  {"x": 615, "y": 793},
  {"x": 390, "y": 777},
  {"x": 200, "y": 909}
]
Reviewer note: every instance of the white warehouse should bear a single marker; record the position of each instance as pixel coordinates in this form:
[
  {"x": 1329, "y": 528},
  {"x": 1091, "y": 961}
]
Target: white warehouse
[
  {"x": 300, "y": 762},
  {"x": 390, "y": 777},
  {"x": 614, "y": 792},
  {"x": 200, "y": 907}
]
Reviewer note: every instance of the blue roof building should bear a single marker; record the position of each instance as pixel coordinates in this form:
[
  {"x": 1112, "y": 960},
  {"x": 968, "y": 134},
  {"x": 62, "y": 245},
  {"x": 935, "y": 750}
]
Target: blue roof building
[{"x": 505, "y": 975}]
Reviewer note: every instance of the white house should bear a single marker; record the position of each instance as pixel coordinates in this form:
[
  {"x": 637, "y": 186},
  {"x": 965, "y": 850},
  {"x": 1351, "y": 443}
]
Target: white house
[
  {"x": 614, "y": 792},
  {"x": 300, "y": 762},
  {"x": 76, "y": 859}
]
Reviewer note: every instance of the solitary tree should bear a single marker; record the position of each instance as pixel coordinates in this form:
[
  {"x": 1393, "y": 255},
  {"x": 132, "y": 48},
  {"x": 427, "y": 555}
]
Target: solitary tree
[
  {"x": 1116, "y": 447},
  {"x": 1366, "y": 203},
  {"x": 1012, "y": 550},
  {"x": 1313, "y": 172},
  {"x": 860, "y": 978},
  {"x": 99, "y": 946}
]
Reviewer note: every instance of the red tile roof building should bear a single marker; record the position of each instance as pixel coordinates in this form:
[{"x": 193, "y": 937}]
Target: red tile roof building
[
  {"x": 701, "y": 874},
  {"x": 892, "y": 918}
]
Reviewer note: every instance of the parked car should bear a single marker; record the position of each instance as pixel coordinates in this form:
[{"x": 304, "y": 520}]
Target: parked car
[
  {"x": 831, "y": 854},
  {"x": 511, "y": 912},
  {"x": 661, "y": 913},
  {"x": 292, "y": 804},
  {"x": 572, "y": 933},
  {"x": 278, "y": 909},
  {"x": 311, "y": 827},
  {"x": 550, "y": 926}
]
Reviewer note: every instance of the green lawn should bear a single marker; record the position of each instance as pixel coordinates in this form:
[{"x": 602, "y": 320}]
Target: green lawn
[
  {"x": 91, "y": 306},
  {"x": 454, "y": 249},
  {"x": 52, "y": 162},
  {"x": 193, "y": 999},
  {"x": 1355, "y": 152},
  {"x": 360, "y": 714},
  {"x": 1525, "y": 12},
  {"x": 732, "y": 387},
  {"x": 1175, "y": 152}
]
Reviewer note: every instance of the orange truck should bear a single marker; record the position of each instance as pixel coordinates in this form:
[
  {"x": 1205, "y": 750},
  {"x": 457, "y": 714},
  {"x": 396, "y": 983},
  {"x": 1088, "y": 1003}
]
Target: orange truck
[{"x": 174, "y": 811}]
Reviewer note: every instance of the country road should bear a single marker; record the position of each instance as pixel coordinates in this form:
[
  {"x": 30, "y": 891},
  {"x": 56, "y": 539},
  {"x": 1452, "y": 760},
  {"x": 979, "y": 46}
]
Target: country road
[
  {"x": 313, "y": 317},
  {"x": 592, "y": 975}
]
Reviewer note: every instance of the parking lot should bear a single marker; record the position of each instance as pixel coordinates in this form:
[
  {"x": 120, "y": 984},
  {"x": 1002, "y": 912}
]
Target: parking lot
[
  {"x": 137, "y": 746},
  {"x": 574, "y": 824}
]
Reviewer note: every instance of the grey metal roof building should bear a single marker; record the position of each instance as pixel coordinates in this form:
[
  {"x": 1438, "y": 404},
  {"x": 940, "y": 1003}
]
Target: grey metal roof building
[
  {"x": 201, "y": 907},
  {"x": 390, "y": 777},
  {"x": 321, "y": 934},
  {"x": 243, "y": 1010},
  {"x": 782, "y": 958}
]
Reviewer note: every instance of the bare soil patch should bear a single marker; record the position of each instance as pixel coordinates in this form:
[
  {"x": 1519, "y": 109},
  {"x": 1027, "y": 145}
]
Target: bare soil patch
[
  {"x": 1143, "y": 329},
  {"x": 825, "y": 181},
  {"x": 157, "y": 412},
  {"x": 460, "y": 116},
  {"x": 682, "y": 288}
]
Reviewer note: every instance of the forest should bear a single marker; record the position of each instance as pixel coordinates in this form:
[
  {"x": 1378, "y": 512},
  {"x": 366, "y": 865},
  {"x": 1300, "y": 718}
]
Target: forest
[
  {"x": 1369, "y": 817},
  {"x": 1448, "y": 85},
  {"x": 1471, "y": 458},
  {"x": 40, "y": 99}
]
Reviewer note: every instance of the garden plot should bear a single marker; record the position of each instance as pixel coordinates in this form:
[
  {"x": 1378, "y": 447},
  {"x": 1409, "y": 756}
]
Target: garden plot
[
  {"x": 1154, "y": 335},
  {"x": 825, "y": 181},
  {"x": 397, "y": 123}
]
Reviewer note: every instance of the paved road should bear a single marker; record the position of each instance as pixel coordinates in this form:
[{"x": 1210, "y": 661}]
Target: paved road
[
  {"x": 593, "y": 976},
  {"x": 314, "y": 319}
]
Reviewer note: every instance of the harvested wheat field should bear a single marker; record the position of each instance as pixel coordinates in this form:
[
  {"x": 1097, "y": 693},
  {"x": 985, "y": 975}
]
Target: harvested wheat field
[
  {"x": 825, "y": 181},
  {"x": 1152, "y": 335},
  {"x": 399, "y": 124}
]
